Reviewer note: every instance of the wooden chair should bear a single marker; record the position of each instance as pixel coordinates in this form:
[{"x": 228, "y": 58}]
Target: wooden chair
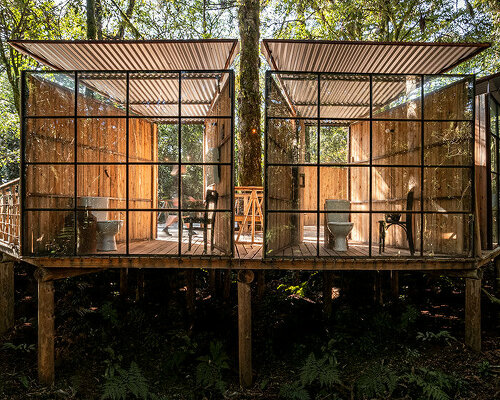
[
  {"x": 206, "y": 220},
  {"x": 394, "y": 219}
]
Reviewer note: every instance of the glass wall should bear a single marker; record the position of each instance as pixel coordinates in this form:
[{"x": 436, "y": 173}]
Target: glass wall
[
  {"x": 116, "y": 163},
  {"x": 360, "y": 165},
  {"x": 494, "y": 137}
]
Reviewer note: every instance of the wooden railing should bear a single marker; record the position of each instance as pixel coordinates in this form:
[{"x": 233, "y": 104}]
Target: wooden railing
[{"x": 9, "y": 214}]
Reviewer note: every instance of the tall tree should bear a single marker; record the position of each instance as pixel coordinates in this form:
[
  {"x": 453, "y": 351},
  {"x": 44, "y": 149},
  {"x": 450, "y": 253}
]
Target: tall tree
[
  {"x": 250, "y": 170},
  {"x": 91, "y": 21}
]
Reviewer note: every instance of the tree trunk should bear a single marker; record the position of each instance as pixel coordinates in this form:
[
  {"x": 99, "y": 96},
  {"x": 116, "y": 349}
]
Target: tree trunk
[
  {"x": 91, "y": 25},
  {"x": 250, "y": 173}
]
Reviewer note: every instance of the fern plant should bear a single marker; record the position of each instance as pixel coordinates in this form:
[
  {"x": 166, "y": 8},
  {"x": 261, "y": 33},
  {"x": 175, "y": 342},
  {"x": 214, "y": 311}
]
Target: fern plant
[
  {"x": 433, "y": 385},
  {"x": 293, "y": 391},
  {"x": 440, "y": 337},
  {"x": 121, "y": 384},
  {"x": 378, "y": 381},
  {"x": 209, "y": 372},
  {"x": 317, "y": 375}
]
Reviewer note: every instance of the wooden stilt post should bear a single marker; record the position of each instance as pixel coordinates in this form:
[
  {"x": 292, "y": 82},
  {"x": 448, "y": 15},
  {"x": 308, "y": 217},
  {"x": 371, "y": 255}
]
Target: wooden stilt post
[
  {"x": 227, "y": 284},
  {"x": 6, "y": 296},
  {"x": 497, "y": 289},
  {"x": 378, "y": 295},
  {"x": 211, "y": 281},
  {"x": 327, "y": 292},
  {"x": 139, "y": 294},
  {"x": 261, "y": 283},
  {"x": 46, "y": 332},
  {"x": 395, "y": 284},
  {"x": 473, "y": 313},
  {"x": 190, "y": 291},
  {"x": 123, "y": 282},
  {"x": 245, "y": 278}
]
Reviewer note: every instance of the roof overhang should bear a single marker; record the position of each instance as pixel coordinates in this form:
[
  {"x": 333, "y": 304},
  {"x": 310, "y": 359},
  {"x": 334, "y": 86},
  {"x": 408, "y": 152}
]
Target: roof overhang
[
  {"x": 489, "y": 85},
  {"x": 345, "y": 87},
  {"x": 367, "y": 57},
  {"x": 153, "y": 93},
  {"x": 139, "y": 55}
]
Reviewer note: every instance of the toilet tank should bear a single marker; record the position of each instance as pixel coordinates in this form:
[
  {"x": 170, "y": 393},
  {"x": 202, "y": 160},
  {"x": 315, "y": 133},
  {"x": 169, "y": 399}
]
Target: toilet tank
[{"x": 341, "y": 205}]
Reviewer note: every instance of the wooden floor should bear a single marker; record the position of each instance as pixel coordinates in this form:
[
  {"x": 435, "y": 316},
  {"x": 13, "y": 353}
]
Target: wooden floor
[
  {"x": 169, "y": 245},
  {"x": 248, "y": 251}
]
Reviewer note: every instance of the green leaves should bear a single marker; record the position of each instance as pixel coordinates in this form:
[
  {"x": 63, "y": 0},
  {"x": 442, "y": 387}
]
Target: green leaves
[
  {"x": 209, "y": 372},
  {"x": 123, "y": 383}
]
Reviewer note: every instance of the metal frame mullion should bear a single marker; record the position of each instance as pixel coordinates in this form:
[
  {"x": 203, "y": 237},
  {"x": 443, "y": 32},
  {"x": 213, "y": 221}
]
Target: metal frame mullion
[
  {"x": 127, "y": 159},
  {"x": 231, "y": 93},
  {"x": 472, "y": 222},
  {"x": 180, "y": 224},
  {"x": 266, "y": 121},
  {"x": 422, "y": 162},
  {"x": 23, "y": 231},
  {"x": 318, "y": 166},
  {"x": 75, "y": 172},
  {"x": 370, "y": 222}
]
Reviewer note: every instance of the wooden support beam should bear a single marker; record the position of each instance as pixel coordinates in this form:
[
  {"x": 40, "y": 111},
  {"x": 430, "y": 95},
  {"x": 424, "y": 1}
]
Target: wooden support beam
[
  {"x": 395, "y": 284},
  {"x": 328, "y": 277},
  {"x": 245, "y": 278},
  {"x": 123, "y": 282},
  {"x": 227, "y": 284},
  {"x": 53, "y": 274},
  {"x": 139, "y": 291},
  {"x": 497, "y": 289},
  {"x": 473, "y": 313},
  {"x": 190, "y": 291},
  {"x": 332, "y": 264},
  {"x": 261, "y": 283},
  {"x": 6, "y": 296},
  {"x": 46, "y": 332}
]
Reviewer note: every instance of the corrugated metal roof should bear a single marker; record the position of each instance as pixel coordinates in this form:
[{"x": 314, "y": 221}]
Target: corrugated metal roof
[
  {"x": 149, "y": 55},
  {"x": 367, "y": 57},
  {"x": 150, "y": 94},
  {"x": 347, "y": 95}
]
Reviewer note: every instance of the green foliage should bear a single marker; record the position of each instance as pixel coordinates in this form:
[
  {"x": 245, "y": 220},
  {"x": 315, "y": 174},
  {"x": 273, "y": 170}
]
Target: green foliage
[
  {"x": 377, "y": 381},
  {"x": 299, "y": 290},
  {"x": 317, "y": 375},
  {"x": 484, "y": 368},
  {"x": 109, "y": 313},
  {"x": 22, "y": 348},
  {"x": 210, "y": 370},
  {"x": 433, "y": 385},
  {"x": 440, "y": 337},
  {"x": 322, "y": 371},
  {"x": 293, "y": 391},
  {"x": 120, "y": 384},
  {"x": 408, "y": 318}
]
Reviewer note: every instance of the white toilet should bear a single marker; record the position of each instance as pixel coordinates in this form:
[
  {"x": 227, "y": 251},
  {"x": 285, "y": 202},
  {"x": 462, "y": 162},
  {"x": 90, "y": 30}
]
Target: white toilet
[
  {"x": 106, "y": 229},
  {"x": 338, "y": 223}
]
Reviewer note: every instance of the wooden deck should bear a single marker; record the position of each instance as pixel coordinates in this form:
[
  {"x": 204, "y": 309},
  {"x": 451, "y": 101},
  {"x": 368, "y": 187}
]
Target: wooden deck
[
  {"x": 152, "y": 254},
  {"x": 249, "y": 251}
]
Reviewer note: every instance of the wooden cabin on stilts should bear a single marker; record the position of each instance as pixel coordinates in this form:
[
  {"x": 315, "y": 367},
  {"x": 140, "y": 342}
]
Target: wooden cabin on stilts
[{"x": 376, "y": 159}]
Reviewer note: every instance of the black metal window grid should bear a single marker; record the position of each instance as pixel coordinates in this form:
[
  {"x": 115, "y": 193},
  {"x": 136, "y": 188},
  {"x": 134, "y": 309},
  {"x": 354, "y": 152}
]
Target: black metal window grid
[
  {"x": 493, "y": 143},
  {"x": 274, "y": 82},
  {"x": 72, "y": 80}
]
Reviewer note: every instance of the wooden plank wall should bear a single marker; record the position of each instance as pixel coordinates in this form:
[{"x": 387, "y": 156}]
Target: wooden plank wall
[
  {"x": 334, "y": 184},
  {"x": 99, "y": 140},
  {"x": 218, "y": 136},
  {"x": 394, "y": 142},
  {"x": 282, "y": 186}
]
